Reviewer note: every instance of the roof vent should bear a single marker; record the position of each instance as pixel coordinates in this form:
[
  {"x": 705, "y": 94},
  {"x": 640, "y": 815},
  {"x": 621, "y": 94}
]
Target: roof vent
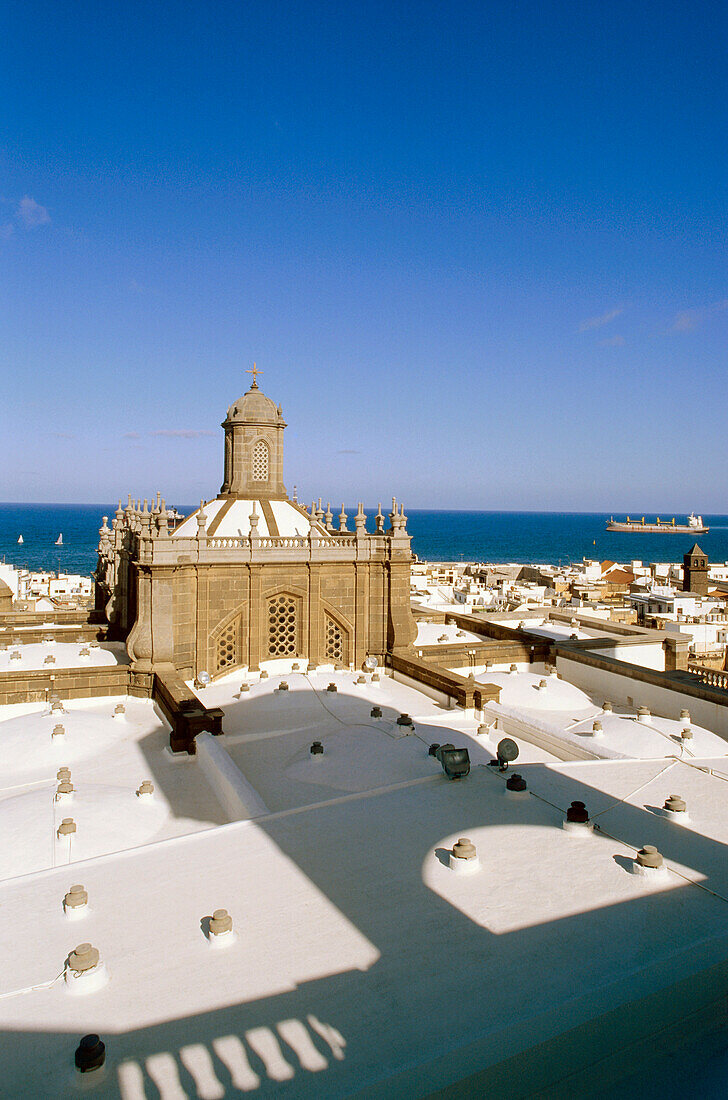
[
  {"x": 332, "y": 687},
  {"x": 676, "y": 807},
  {"x": 316, "y": 749},
  {"x": 648, "y": 860},
  {"x": 516, "y": 784},
  {"x": 75, "y": 901},
  {"x": 56, "y": 705},
  {"x": 596, "y": 730},
  {"x": 264, "y": 674},
  {"x": 145, "y": 789},
  {"x": 64, "y": 791},
  {"x": 245, "y": 686},
  {"x": 15, "y": 655},
  {"x": 684, "y": 715},
  {"x": 283, "y": 686},
  {"x": 442, "y": 638},
  {"x": 432, "y": 751},
  {"x": 375, "y": 712},
  {"x": 577, "y": 818},
  {"x": 83, "y": 957},
  {"x": 542, "y": 685},
  {"x": 360, "y": 680},
  {"x": 59, "y": 730},
  {"x": 221, "y": 932},
  {"x": 85, "y": 652},
  {"x": 85, "y": 971},
  {"x": 513, "y": 670},
  {"x": 66, "y": 829},
  {"x": 405, "y": 720},
  {"x": 90, "y": 1054},
  {"x": 63, "y": 773},
  {"x": 455, "y": 762},
  {"x": 49, "y": 660},
  {"x": 643, "y": 715},
  {"x": 463, "y": 857},
  {"x": 221, "y": 923},
  {"x": 483, "y": 730},
  {"x": 375, "y": 678},
  {"x": 573, "y": 637},
  {"x": 607, "y": 706},
  {"x": 119, "y": 709},
  {"x": 686, "y": 733},
  {"x": 460, "y": 634},
  {"x": 295, "y": 667}
]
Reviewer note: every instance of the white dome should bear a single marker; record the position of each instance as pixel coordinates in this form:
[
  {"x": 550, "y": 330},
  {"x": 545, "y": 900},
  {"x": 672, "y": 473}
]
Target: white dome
[
  {"x": 230, "y": 518},
  {"x": 108, "y": 819},
  {"x": 522, "y": 690}
]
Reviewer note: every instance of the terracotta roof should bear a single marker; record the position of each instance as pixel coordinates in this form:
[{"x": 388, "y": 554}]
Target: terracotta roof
[{"x": 620, "y": 576}]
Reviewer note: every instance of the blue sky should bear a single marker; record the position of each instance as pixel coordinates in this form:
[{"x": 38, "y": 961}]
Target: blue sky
[{"x": 479, "y": 250}]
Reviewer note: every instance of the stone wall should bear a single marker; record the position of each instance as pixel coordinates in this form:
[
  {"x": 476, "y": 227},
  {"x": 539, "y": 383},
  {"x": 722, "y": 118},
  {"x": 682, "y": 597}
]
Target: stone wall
[{"x": 73, "y": 683}]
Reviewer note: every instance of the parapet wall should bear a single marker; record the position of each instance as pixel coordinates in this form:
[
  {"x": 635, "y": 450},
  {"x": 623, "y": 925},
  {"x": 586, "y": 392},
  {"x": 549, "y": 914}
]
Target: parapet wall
[
  {"x": 463, "y": 692},
  {"x": 664, "y": 693},
  {"x": 38, "y": 685}
]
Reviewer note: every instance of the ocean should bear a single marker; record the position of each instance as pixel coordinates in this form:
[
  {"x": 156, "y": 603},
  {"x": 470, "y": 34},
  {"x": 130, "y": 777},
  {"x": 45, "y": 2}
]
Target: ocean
[{"x": 544, "y": 537}]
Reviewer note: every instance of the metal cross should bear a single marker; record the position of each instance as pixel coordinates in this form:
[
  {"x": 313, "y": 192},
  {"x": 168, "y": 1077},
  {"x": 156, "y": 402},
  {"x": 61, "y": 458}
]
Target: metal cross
[{"x": 255, "y": 372}]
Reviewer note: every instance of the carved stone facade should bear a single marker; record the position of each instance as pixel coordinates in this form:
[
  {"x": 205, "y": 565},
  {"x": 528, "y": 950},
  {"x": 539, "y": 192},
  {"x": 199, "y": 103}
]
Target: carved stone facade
[{"x": 252, "y": 576}]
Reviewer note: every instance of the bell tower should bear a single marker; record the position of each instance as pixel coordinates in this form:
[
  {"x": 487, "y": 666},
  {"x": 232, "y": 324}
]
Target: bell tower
[
  {"x": 254, "y": 428},
  {"x": 695, "y": 571}
]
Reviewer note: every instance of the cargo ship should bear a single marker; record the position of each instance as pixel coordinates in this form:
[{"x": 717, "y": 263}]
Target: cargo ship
[{"x": 694, "y": 526}]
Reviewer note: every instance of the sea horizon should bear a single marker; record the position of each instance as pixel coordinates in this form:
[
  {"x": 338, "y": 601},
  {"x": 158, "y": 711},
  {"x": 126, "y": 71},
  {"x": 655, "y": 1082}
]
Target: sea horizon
[{"x": 438, "y": 534}]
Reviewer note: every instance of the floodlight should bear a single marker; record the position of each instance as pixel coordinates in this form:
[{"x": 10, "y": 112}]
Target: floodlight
[
  {"x": 202, "y": 679},
  {"x": 455, "y": 762},
  {"x": 370, "y": 664},
  {"x": 506, "y": 752}
]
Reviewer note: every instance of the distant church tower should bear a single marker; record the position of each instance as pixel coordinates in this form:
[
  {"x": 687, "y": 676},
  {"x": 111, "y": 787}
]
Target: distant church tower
[{"x": 695, "y": 571}]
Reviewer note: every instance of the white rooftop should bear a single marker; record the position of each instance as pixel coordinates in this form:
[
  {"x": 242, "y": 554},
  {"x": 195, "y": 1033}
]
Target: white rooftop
[
  {"x": 360, "y": 961},
  {"x": 33, "y": 656}
]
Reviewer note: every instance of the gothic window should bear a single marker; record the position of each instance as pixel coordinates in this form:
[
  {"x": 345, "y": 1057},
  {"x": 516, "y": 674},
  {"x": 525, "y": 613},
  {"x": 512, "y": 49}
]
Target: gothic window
[
  {"x": 261, "y": 461},
  {"x": 282, "y": 626},
  {"x": 335, "y": 641},
  {"x": 228, "y": 646}
]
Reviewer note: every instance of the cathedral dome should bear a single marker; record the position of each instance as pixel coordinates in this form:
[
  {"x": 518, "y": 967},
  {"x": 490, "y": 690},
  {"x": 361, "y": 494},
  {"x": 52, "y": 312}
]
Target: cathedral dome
[
  {"x": 231, "y": 518},
  {"x": 254, "y": 407}
]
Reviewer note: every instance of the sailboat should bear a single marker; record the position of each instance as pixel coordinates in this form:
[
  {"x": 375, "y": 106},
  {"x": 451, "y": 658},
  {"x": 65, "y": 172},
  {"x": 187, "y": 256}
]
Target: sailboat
[
  {"x": 59, "y": 540},
  {"x": 21, "y": 540}
]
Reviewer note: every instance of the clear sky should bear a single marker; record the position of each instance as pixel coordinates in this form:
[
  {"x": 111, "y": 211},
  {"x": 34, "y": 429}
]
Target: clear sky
[{"x": 478, "y": 249}]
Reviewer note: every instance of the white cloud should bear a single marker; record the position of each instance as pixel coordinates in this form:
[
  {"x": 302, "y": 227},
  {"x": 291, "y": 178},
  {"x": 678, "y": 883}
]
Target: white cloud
[
  {"x": 31, "y": 213},
  {"x": 688, "y": 319},
  {"x": 602, "y": 319}
]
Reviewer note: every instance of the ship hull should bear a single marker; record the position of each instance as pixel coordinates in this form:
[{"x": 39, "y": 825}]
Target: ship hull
[{"x": 657, "y": 528}]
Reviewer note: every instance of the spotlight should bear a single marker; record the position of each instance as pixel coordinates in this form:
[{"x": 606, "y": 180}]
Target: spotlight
[
  {"x": 506, "y": 753},
  {"x": 455, "y": 762}
]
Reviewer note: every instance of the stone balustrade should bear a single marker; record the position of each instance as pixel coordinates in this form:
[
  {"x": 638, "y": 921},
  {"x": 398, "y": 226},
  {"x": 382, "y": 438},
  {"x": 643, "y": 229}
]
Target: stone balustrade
[{"x": 711, "y": 676}]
